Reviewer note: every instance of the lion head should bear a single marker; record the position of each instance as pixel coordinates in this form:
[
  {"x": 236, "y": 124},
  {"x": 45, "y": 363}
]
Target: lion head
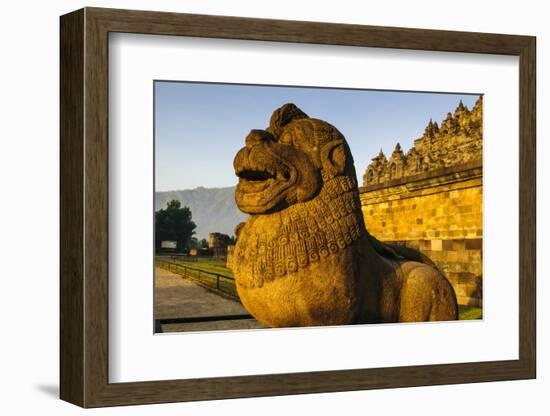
[
  {"x": 289, "y": 162},
  {"x": 297, "y": 180}
]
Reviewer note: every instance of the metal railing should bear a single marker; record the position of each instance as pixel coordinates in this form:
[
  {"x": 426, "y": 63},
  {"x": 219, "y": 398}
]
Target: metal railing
[
  {"x": 201, "y": 276},
  {"x": 175, "y": 257}
]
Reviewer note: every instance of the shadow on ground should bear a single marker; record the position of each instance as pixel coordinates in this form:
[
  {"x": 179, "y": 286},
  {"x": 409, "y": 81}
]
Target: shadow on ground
[{"x": 51, "y": 390}]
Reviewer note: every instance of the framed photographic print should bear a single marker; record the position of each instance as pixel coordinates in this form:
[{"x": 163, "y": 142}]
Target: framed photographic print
[{"x": 255, "y": 207}]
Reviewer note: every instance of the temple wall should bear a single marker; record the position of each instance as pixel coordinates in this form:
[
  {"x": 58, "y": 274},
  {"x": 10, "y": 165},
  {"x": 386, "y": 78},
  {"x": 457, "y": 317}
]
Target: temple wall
[{"x": 438, "y": 212}]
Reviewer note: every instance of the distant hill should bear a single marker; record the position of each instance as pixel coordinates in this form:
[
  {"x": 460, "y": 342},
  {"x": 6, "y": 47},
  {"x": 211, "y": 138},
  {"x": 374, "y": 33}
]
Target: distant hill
[{"x": 213, "y": 209}]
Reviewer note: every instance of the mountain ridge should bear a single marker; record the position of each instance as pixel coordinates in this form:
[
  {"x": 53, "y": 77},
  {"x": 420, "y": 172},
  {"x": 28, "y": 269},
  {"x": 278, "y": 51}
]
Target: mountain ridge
[{"x": 212, "y": 209}]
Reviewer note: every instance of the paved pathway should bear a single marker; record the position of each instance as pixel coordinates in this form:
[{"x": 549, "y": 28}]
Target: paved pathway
[{"x": 176, "y": 297}]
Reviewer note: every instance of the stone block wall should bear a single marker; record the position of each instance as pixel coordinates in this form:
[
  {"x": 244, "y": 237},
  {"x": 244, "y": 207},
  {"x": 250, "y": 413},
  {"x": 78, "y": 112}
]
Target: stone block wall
[{"x": 439, "y": 213}]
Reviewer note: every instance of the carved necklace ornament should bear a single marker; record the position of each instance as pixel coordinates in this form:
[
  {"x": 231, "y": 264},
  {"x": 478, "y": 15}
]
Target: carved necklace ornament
[{"x": 272, "y": 246}]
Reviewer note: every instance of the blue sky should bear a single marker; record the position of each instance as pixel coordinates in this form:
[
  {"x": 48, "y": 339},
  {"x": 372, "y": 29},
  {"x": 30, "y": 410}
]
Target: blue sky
[{"x": 199, "y": 127}]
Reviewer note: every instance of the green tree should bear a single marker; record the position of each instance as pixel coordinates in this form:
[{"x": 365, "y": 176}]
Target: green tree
[
  {"x": 204, "y": 243},
  {"x": 174, "y": 223}
]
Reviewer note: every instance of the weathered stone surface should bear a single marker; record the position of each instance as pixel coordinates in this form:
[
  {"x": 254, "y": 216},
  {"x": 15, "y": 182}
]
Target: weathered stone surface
[
  {"x": 437, "y": 210},
  {"x": 218, "y": 244},
  {"x": 218, "y": 240},
  {"x": 304, "y": 257}
]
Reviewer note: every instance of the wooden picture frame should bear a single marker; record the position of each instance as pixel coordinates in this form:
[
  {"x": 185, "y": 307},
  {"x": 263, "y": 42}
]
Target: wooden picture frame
[{"x": 84, "y": 207}]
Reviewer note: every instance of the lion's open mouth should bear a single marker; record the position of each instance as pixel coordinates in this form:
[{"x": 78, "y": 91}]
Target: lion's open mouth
[
  {"x": 261, "y": 187},
  {"x": 263, "y": 180},
  {"x": 255, "y": 175},
  {"x": 259, "y": 175}
]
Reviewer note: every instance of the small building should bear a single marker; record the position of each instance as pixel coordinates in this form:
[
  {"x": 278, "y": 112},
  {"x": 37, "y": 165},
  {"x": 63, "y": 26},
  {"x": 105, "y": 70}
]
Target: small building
[{"x": 217, "y": 244}]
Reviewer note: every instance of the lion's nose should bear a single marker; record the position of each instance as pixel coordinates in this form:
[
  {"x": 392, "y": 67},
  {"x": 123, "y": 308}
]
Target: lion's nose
[{"x": 257, "y": 136}]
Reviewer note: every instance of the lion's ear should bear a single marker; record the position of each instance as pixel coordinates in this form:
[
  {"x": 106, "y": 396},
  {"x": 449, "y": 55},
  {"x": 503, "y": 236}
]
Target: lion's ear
[{"x": 333, "y": 158}]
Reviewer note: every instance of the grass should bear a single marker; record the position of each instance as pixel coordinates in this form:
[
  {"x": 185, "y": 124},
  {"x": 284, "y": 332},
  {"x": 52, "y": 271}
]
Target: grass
[
  {"x": 228, "y": 286},
  {"x": 207, "y": 265},
  {"x": 469, "y": 312}
]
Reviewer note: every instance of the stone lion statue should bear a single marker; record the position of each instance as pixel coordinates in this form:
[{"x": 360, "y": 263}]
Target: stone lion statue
[{"x": 304, "y": 256}]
